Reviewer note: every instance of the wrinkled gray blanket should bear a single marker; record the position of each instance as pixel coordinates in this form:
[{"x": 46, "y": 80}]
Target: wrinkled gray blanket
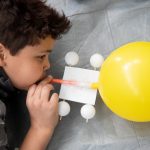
[{"x": 99, "y": 26}]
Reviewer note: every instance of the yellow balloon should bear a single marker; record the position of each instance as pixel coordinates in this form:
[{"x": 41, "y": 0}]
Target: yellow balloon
[{"x": 124, "y": 81}]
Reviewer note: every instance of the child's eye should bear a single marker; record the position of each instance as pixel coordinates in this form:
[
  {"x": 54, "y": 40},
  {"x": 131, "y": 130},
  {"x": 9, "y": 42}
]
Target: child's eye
[{"x": 41, "y": 57}]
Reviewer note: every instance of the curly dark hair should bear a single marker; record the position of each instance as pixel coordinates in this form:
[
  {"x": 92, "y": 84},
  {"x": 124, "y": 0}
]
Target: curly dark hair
[{"x": 25, "y": 22}]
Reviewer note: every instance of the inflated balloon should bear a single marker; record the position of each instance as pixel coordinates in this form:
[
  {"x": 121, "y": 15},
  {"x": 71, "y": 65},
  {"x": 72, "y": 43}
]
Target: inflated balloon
[{"x": 124, "y": 81}]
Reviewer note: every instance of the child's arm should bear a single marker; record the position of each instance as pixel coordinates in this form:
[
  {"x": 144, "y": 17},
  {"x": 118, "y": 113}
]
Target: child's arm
[{"x": 44, "y": 116}]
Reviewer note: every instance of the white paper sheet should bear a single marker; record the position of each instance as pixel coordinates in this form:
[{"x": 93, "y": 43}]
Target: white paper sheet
[{"x": 79, "y": 94}]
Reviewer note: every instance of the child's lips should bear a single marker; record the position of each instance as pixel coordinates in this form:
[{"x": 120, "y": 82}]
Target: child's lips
[{"x": 42, "y": 78}]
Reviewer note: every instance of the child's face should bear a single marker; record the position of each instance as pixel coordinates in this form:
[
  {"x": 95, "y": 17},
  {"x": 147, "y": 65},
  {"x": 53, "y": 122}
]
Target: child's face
[{"x": 29, "y": 65}]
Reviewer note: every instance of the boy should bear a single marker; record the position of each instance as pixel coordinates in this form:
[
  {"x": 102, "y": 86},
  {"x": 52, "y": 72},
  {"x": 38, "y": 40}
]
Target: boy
[{"x": 28, "y": 30}]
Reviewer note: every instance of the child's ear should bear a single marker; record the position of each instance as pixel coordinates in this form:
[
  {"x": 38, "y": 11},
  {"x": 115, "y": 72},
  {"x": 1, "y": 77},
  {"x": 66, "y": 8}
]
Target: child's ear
[{"x": 2, "y": 55}]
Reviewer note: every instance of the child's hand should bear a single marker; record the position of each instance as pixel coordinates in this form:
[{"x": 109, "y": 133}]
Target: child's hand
[{"x": 42, "y": 108}]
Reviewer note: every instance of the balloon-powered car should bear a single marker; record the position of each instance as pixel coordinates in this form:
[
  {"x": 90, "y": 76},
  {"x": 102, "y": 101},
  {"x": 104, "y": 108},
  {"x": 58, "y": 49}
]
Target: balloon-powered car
[{"x": 123, "y": 82}]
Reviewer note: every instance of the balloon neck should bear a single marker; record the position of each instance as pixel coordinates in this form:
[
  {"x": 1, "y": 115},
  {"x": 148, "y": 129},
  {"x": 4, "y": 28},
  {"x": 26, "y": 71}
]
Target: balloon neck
[{"x": 95, "y": 85}]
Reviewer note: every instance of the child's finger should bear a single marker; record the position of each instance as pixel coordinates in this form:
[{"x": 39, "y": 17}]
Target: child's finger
[
  {"x": 31, "y": 91},
  {"x": 45, "y": 92},
  {"x": 37, "y": 93},
  {"x": 30, "y": 94},
  {"x": 54, "y": 100}
]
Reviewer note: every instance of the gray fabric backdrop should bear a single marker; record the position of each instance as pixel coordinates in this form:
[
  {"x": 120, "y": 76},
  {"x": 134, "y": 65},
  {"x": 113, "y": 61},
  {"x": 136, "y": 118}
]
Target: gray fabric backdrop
[{"x": 99, "y": 26}]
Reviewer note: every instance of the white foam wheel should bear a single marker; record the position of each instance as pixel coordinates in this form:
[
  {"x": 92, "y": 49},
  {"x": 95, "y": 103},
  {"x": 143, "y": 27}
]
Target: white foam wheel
[
  {"x": 88, "y": 111},
  {"x": 63, "y": 108},
  {"x": 96, "y": 60},
  {"x": 71, "y": 58}
]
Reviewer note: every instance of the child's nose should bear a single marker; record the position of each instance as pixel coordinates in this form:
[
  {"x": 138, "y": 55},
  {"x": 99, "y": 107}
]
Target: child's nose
[{"x": 46, "y": 64}]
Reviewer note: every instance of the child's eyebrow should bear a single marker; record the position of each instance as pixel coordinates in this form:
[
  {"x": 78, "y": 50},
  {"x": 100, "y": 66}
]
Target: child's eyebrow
[{"x": 47, "y": 51}]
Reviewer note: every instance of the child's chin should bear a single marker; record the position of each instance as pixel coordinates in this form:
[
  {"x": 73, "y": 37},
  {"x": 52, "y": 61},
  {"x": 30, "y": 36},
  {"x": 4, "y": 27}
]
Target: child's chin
[
  {"x": 24, "y": 87},
  {"x": 20, "y": 87}
]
